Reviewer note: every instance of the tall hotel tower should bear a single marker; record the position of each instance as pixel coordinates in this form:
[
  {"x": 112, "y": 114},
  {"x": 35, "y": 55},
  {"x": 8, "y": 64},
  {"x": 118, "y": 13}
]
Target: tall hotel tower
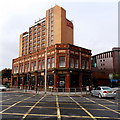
[
  {"x": 55, "y": 28},
  {"x": 48, "y": 57}
]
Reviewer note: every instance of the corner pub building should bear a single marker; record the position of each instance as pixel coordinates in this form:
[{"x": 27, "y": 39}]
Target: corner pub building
[{"x": 48, "y": 58}]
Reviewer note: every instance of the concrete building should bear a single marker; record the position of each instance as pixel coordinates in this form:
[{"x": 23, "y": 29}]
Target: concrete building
[
  {"x": 104, "y": 64},
  {"x": 48, "y": 58},
  {"x": 54, "y": 28},
  {"x": 108, "y": 61}
]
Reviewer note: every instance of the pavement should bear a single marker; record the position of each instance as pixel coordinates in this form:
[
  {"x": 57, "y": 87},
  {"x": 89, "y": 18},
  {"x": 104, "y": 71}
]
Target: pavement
[
  {"x": 20, "y": 105},
  {"x": 48, "y": 92}
]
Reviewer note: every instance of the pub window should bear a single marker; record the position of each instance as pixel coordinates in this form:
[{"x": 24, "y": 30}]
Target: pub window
[
  {"x": 28, "y": 68},
  {"x": 50, "y": 80},
  {"x": 34, "y": 65},
  {"x": 48, "y": 62},
  {"x": 62, "y": 61},
  {"x": 25, "y": 67},
  {"x": 87, "y": 64},
  {"x": 53, "y": 62},
  {"x": 76, "y": 63},
  {"x": 15, "y": 69},
  {"x": 39, "y": 65},
  {"x": 72, "y": 62},
  {"x": 40, "y": 80},
  {"x": 43, "y": 64},
  {"x": 83, "y": 64},
  {"x": 22, "y": 68}
]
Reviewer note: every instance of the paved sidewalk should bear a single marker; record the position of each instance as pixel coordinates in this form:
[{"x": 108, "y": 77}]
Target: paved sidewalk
[{"x": 49, "y": 92}]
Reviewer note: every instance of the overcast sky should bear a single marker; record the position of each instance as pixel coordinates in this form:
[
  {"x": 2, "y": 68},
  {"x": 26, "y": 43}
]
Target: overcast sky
[{"x": 95, "y": 23}]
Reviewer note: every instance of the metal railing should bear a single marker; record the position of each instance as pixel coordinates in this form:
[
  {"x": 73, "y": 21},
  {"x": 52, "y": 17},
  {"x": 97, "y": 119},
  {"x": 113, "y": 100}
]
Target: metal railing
[
  {"x": 64, "y": 91},
  {"x": 55, "y": 91},
  {"x": 58, "y": 91}
]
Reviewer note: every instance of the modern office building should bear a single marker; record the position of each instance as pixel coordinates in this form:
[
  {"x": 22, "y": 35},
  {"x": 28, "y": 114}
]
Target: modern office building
[
  {"x": 104, "y": 64},
  {"x": 108, "y": 61},
  {"x": 47, "y": 56}
]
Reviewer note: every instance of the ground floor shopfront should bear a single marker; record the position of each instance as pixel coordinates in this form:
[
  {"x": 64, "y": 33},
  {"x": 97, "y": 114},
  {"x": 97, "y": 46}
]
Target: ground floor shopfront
[{"x": 55, "y": 79}]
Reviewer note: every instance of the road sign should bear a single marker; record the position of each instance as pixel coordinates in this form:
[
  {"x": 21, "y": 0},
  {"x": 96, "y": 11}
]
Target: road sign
[{"x": 110, "y": 76}]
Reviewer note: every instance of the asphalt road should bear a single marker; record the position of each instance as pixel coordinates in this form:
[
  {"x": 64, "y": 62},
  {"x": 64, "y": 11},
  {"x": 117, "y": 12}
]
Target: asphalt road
[{"x": 31, "y": 106}]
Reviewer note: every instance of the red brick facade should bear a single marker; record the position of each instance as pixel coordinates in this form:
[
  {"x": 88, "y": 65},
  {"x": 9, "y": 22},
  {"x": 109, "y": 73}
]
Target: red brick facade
[
  {"x": 68, "y": 66},
  {"x": 47, "y": 56}
]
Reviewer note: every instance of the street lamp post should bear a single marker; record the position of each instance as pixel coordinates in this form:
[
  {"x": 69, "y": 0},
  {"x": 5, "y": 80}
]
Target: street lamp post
[
  {"x": 27, "y": 82},
  {"x": 45, "y": 70}
]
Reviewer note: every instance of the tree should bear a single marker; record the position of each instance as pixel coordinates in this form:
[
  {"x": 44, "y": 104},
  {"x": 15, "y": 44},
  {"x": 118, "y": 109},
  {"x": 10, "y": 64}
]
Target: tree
[
  {"x": 116, "y": 76},
  {"x": 6, "y": 73}
]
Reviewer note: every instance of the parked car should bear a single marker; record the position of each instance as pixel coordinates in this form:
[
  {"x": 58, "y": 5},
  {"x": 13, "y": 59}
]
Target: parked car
[
  {"x": 3, "y": 88},
  {"x": 103, "y": 91}
]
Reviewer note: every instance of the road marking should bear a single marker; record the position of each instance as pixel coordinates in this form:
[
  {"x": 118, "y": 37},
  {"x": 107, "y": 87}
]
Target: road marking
[
  {"x": 42, "y": 115},
  {"x": 15, "y": 104},
  {"x": 53, "y": 107},
  {"x": 29, "y": 114},
  {"x": 111, "y": 101},
  {"x": 83, "y": 109},
  {"x": 68, "y": 116},
  {"x": 112, "y": 118},
  {"x": 103, "y": 106},
  {"x": 5, "y": 100},
  {"x": 9, "y": 99},
  {"x": 58, "y": 109},
  {"x": 32, "y": 108},
  {"x": 72, "y": 116}
]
